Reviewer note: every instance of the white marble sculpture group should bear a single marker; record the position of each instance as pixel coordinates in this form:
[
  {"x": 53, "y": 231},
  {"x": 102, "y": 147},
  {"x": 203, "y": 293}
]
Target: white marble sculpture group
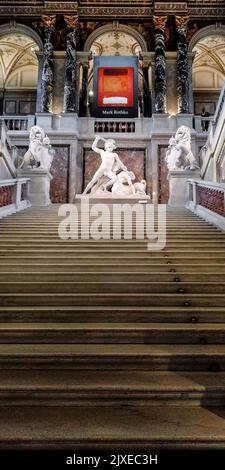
[
  {"x": 113, "y": 174},
  {"x": 179, "y": 155},
  {"x": 40, "y": 153}
]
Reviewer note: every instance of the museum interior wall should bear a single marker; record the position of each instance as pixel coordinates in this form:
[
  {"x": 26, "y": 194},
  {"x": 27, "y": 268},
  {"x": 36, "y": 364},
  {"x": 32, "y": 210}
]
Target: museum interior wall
[{"x": 48, "y": 54}]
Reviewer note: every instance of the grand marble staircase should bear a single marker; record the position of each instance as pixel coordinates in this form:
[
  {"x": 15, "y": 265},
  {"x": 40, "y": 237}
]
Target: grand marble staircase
[{"x": 104, "y": 344}]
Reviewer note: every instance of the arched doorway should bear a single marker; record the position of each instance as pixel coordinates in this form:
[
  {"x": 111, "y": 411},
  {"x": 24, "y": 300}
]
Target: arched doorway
[
  {"x": 116, "y": 40},
  {"x": 208, "y": 68},
  {"x": 18, "y": 70}
]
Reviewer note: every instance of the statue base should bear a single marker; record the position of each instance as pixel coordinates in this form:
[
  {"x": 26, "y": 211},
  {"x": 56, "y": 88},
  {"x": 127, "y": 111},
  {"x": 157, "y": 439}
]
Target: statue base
[
  {"x": 109, "y": 196},
  {"x": 178, "y": 187},
  {"x": 39, "y": 186},
  {"x": 113, "y": 199}
]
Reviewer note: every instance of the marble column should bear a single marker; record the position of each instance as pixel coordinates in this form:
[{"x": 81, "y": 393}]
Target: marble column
[
  {"x": 39, "y": 83},
  {"x": 147, "y": 106},
  {"x": 47, "y": 65},
  {"x": 70, "y": 86},
  {"x": 59, "y": 73},
  {"x": 190, "y": 57},
  {"x": 171, "y": 81},
  {"x": 84, "y": 90},
  {"x": 77, "y": 74},
  {"x": 159, "y": 104},
  {"x": 182, "y": 65}
]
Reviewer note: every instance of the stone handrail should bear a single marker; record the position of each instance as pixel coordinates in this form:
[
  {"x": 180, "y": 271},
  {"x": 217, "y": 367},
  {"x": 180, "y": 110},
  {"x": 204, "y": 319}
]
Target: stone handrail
[
  {"x": 3, "y": 134},
  {"x": 8, "y": 151},
  {"x": 202, "y": 124},
  {"x": 13, "y": 196},
  {"x": 207, "y": 199},
  {"x": 18, "y": 123}
]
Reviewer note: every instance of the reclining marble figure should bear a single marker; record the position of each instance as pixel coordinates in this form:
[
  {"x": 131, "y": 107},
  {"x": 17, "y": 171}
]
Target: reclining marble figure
[{"x": 40, "y": 153}]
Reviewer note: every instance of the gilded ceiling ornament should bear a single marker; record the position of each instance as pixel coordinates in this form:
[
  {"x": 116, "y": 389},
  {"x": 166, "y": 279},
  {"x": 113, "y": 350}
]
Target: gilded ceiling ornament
[
  {"x": 160, "y": 21},
  {"x": 181, "y": 21},
  {"x": 71, "y": 21},
  {"x": 49, "y": 20}
]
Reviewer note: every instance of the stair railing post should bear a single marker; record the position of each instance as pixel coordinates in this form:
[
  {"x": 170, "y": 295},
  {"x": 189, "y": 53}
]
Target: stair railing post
[
  {"x": 18, "y": 192},
  {"x": 194, "y": 186}
]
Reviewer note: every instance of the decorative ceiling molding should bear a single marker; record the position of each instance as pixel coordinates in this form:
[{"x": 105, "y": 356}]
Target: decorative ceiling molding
[
  {"x": 61, "y": 7},
  {"x": 115, "y": 9},
  {"x": 13, "y": 27},
  {"x": 115, "y": 43},
  {"x": 207, "y": 12},
  {"x": 112, "y": 27},
  {"x": 210, "y": 52},
  {"x": 16, "y": 51},
  {"x": 212, "y": 30},
  {"x": 170, "y": 7},
  {"x": 115, "y": 12}
]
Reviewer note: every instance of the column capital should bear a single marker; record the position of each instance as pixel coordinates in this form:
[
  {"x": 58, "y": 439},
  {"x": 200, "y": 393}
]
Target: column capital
[
  {"x": 160, "y": 21},
  {"x": 147, "y": 58},
  {"x": 181, "y": 22},
  {"x": 71, "y": 21},
  {"x": 49, "y": 21},
  {"x": 83, "y": 57}
]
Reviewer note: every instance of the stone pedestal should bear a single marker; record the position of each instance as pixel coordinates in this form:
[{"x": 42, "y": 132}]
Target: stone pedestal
[
  {"x": 44, "y": 120},
  {"x": 178, "y": 186},
  {"x": 39, "y": 186},
  {"x": 69, "y": 121}
]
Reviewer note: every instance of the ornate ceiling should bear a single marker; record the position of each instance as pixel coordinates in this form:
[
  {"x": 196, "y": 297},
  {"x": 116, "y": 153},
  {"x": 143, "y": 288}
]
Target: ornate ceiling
[
  {"x": 16, "y": 52},
  {"x": 115, "y": 43},
  {"x": 210, "y": 52}
]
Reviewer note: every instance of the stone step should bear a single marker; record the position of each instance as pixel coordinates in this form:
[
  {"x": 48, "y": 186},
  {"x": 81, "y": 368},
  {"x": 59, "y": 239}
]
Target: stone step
[
  {"x": 18, "y": 232},
  {"x": 112, "y": 333},
  {"x": 172, "y": 357},
  {"x": 79, "y": 276},
  {"x": 15, "y": 235},
  {"x": 43, "y": 224},
  {"x": 159, "y": 427},
  {"x": 110, "y": 388},
  {"x": 147, "y": 267},
  {"x": 139, "y": 314},
  {"x": 115, "y": 300},
  {"x": 172, "y": 241},
  {"x": 107, "y": 287},
  {"x": 200, "y": 259},
  {"x": 107, "y": 251},
  {"x": 186, "y": 314}
]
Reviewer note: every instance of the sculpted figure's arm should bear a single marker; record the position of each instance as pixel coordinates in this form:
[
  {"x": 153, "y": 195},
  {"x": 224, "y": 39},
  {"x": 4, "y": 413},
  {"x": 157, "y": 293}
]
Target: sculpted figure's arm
[{"x": 94, "y": 145}]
